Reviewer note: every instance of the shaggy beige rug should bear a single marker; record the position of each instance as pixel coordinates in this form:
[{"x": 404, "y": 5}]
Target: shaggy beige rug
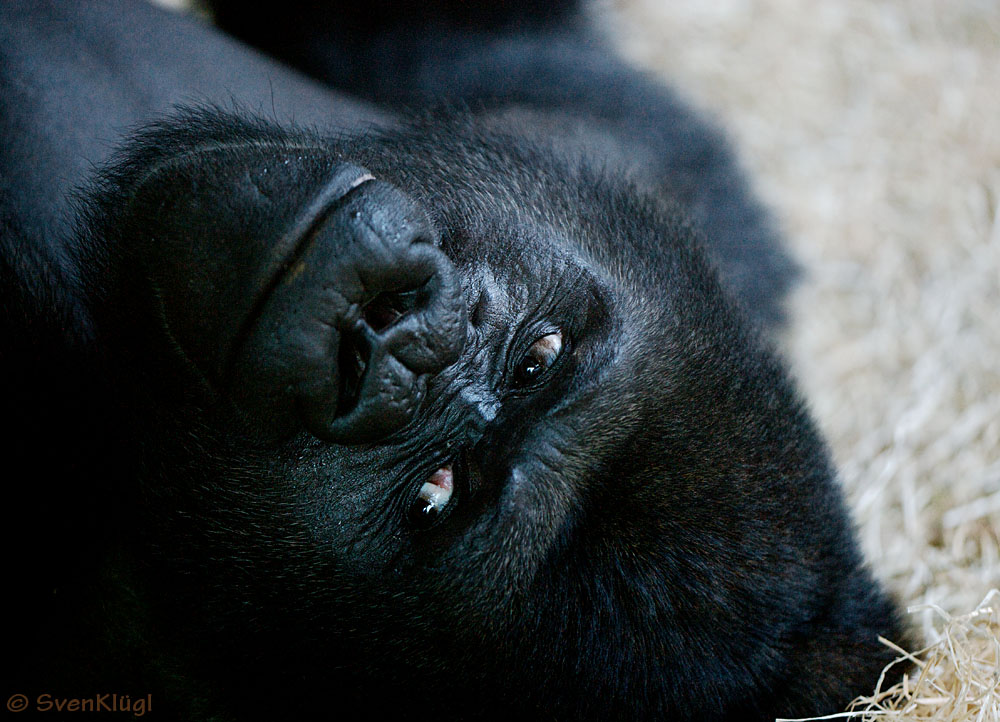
[{"x": 872, "y": 128}]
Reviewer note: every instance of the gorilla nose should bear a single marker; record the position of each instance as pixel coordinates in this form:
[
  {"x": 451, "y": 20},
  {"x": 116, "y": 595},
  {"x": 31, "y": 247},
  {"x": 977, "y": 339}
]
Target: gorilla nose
[
  {"x": 481, "y": 407},
  {"x": 309, "y": 292},
  {"x": 364, "y": 314}
]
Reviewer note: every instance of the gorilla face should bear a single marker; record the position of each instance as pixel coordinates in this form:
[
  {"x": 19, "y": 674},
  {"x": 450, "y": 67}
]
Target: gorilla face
[{"x": 497, "y": 443}]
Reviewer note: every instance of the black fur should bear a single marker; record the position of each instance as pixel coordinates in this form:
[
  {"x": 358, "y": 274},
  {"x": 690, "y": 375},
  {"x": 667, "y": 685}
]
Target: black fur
[{"x": 219, "y": 502}]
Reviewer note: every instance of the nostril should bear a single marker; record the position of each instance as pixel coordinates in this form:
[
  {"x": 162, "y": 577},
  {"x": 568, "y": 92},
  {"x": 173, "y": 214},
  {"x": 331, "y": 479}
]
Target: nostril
[
  {"x": 390, "y": 306},
  {"x": 381, "y": 312}
]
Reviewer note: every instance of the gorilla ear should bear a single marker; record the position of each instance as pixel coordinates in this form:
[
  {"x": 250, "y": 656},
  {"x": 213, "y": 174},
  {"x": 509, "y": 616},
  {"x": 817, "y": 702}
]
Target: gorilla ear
[{"x": 262, "y": 258}]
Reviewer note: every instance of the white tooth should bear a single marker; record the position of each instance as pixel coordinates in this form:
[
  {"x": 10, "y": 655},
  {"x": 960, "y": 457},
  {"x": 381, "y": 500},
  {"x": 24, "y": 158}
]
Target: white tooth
[{"x": 437, "y": 496}]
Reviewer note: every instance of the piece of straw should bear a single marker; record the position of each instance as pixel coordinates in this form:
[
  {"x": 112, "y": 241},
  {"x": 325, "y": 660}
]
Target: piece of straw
[{"x": 955, "y": 678}]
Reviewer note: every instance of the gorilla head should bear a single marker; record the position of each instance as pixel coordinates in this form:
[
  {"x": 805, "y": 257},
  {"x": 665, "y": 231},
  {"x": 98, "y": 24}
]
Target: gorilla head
[{"x": 463, "y": 426}]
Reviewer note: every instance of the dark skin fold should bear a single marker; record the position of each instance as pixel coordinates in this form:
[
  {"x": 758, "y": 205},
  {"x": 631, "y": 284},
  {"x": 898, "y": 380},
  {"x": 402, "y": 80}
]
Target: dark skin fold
[{"x": 460, "y": 413}]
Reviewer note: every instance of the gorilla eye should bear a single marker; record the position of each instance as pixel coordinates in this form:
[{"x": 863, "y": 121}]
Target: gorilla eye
[
  {"x": 432, "y": 499},
  {"x": 539, "y": 359}
]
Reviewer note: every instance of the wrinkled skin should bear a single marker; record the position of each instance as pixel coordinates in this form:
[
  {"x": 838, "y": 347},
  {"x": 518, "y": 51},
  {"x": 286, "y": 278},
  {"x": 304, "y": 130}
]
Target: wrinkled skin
[{"x": 255, "y": 346}]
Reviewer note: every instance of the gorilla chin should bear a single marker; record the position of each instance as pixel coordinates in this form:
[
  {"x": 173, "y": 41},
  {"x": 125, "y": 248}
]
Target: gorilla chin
[{"x": 466, "y": 413}]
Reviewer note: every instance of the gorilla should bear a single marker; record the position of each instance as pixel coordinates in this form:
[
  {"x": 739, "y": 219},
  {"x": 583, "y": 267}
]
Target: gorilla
[{"x": 405, "y": 361}]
